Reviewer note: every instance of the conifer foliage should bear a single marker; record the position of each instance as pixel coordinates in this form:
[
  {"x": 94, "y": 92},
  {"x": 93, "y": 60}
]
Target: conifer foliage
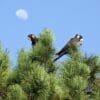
[{"x": 37, "y": 77}]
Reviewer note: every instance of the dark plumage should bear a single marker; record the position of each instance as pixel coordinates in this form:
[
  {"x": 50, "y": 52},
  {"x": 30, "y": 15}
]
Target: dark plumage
[
  {"x": 32, "y": 38},
  {"x": 72, "y": 42}
]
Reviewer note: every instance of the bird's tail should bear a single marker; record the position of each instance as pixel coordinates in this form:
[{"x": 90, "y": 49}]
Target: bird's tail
[
  {"x": 58, "y": 53},
  {"x": 58, "y": 57}
]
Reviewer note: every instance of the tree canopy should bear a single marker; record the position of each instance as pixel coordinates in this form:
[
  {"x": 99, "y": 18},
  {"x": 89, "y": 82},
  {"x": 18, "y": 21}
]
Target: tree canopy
[{"x": 37, "y": 77}]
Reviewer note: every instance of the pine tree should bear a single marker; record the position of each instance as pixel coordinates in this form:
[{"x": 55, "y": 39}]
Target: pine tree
[
  {"x": 4, "y": 72},
  {"x": 33, "y": 68},
  {"x": 15, "y": 92},
  {"x": 44, "y": 51},
  {"x": 37, "y": 77},
  {"x": 75, "y": 75},
  {"x": 93, "y": 88}
]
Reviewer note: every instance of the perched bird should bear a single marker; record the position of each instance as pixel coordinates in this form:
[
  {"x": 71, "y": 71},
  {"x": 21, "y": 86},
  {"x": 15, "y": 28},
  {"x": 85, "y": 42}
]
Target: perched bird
[
  {"x": 33, "y": 39},
  {"x": 72, "y": 42}
]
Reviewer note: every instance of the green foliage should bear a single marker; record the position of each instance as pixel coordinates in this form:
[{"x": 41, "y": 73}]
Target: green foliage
[
  {"x": 75, "y": 75},
  {"x": 4, "y": 72},
  {"x": 4, "y": 66},
  {"x": 73, "y": 68},
  {"x": 94, "y": 64},
  {"x": 36, "y": 83},
  {"x": 37, "y": 77},
  {"x": 15, "y": 92},
  {"x": 43, "y": 52},
  {"x": 23, "y": 65}
]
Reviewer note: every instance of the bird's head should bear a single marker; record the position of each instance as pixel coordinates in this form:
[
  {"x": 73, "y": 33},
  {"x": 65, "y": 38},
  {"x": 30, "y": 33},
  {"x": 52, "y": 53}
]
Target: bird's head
[
  {"x": 79, "y": 38},
  {"x": 31, "y": 36}
]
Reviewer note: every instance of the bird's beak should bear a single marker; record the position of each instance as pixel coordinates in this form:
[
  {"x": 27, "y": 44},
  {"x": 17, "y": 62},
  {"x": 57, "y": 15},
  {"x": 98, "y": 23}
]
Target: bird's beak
[{"x": 81, "y": 41}]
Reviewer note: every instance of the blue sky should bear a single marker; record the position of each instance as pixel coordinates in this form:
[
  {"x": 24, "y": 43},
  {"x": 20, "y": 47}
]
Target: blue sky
[{"x": 64, "y": 17}]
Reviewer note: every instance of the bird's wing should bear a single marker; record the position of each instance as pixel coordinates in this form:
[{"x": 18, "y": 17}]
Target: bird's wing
[{"x": 65, "y": 48}]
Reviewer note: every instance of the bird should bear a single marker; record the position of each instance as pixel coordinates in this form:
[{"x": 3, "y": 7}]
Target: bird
[
  {"x": 72, "y": 42},
  {"x": 33, "y": 39}
]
